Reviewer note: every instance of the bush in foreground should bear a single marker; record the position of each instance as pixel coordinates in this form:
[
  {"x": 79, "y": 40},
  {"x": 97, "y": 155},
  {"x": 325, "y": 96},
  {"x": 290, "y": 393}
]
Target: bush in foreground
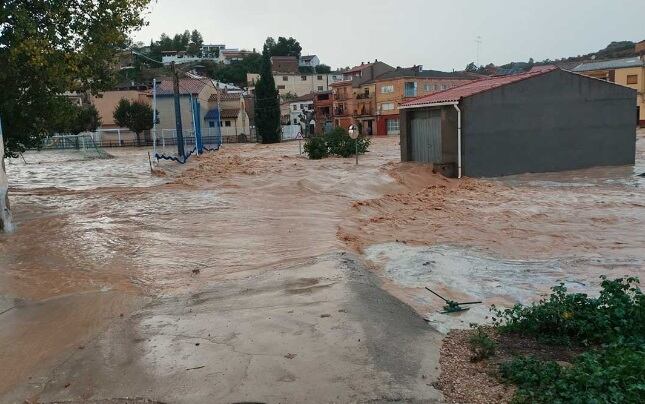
[
  {"x": 336, "y": 143},
  {"x": 615, "y": 374},
  {"x": 613, "y": 371},
  {"x": 563, "y": 318}
]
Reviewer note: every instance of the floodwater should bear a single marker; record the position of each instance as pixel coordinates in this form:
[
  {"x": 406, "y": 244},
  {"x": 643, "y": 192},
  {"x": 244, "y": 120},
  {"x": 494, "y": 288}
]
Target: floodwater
[
  {"x": 97, "y": 238},
  {"x": 100, "y": 238}
]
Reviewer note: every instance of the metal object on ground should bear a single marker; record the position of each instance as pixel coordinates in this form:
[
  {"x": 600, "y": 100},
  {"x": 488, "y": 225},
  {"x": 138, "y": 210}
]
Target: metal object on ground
[{"x": 451, "y": 305}]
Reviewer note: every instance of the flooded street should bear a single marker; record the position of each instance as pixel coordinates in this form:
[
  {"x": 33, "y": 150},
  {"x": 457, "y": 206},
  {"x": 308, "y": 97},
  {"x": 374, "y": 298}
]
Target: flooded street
[{"x": 254, "y": 274}]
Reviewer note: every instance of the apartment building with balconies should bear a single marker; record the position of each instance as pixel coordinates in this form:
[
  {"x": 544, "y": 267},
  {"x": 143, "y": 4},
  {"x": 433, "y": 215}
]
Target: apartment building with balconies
[{"x": 403, "y": 84}]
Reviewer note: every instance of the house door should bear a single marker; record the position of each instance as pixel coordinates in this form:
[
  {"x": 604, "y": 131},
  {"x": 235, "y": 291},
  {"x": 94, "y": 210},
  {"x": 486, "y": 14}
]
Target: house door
[{"x": 425, "y": 136}]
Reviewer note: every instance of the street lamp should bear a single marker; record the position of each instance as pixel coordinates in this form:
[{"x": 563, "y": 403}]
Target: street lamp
[{"x": 353, "y": 133}]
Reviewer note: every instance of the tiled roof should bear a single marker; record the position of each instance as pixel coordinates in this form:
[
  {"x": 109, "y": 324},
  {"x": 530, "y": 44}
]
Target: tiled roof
[
  {"x": 359, "y": 68},
  {"x": 455, "y": 94},
  {"x": 224, "y": 97},
  {"x": 610, "y": 64},
  {"x": 186, "y": 86},
  {"x": 230, "y": 112},
  {"x": 414, "y": 72},
  {"x": 306, "y": 97},
  {"x": 307, "y": 57}
]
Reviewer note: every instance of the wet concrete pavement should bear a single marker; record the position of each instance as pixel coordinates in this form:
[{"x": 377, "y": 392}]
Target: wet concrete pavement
[{"x": 320, "y": 331}]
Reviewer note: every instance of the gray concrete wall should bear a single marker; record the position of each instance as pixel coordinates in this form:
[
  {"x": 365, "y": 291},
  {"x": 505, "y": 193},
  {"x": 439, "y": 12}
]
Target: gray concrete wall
[
  {"x": 553, "y": 122},
  {"x": 404, "y": 133}
]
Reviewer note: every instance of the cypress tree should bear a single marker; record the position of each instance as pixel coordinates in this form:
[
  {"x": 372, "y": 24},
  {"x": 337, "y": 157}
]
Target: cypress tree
[{"x": 267, "y": 105}]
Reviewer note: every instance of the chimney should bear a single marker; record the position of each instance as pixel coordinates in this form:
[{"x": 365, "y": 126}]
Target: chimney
[
  {"x": 375, "y": 60},
  {"x": 362, "y": 63}
]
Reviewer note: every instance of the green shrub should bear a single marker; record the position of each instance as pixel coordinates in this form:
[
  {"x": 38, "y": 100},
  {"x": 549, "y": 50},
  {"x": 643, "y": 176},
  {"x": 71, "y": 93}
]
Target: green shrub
[
  {"x": 340, "y": 144},
  {"x": 316, "y": 148},
  {"x": 615, "y": 374},
  {"x": 618, "y": 313},
  {"x": 337, "y": 143},
  {"x": 481, "y": 344}
]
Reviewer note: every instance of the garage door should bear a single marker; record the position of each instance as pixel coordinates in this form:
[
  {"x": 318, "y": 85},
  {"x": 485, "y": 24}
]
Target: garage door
[{"x": 425, "y": 136}]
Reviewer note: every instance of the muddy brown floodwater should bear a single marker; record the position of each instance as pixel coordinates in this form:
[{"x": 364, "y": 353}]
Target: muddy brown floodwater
[{"x": 107, "y": 259}]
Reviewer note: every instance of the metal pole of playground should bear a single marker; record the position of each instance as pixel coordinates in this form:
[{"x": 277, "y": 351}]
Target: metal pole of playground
[
  {"x": 180, "y": 135},
  {"x": 154, "y": 116}
]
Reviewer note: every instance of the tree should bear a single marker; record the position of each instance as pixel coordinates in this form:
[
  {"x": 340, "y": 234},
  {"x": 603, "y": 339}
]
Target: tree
[
  {"x": 267, "y": 106},
  {"x": 195, "y": 45},
  {"x": 135, "y": 116},
  {"x": 323, "y": 69},
  {"x": 471, "y": 68},
  {"x": 74, "y": 119},
  {"x": 283, "y": 47},
  {"x": 50, "y": 47}
]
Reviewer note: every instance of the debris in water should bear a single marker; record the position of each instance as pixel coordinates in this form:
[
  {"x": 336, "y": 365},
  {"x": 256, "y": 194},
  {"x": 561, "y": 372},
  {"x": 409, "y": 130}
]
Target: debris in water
[
  {"x": 290, "y": 355},
  {"x": 452, "y": 306}
]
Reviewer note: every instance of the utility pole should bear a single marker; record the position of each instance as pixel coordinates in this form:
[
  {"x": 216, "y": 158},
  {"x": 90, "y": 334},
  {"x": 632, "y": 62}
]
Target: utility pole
[{"x": 180, "y": 135}]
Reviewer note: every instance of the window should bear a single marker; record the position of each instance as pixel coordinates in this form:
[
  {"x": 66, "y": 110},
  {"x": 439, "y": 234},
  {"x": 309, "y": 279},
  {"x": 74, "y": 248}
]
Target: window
[
  {"x": 632, "y": 79},
  {"x": 427, "y": 87},
  {"x": 302, "y": 107},
  {"x": 410, "y": 89},
  {"x": 211, "y": 124},
  {"x": 387, "y": 89},
  {"x": 303, "y": 78},
  {"x": 320, "y": 78},
  {"x": 444, "y": 87},
  {"x": 295, "y": 121},
  {"x": 281, "y": 87},
  {"x": 392, "y": 126},
  {"x": 295, "y": 107},
  {"x": 320, "y": 88},
  {"x": 285, "y": 78},
  {"x": 387, "y": 106},
  {"x": 227, "y": 123}
]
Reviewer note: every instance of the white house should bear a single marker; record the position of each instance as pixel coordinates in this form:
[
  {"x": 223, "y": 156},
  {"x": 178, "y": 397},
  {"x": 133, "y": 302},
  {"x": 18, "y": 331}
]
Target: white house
[{"x": 309, "y": 61}]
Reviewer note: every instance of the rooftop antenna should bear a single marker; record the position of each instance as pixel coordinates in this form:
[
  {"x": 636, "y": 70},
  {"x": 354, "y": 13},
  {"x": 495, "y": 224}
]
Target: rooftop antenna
[{"x": 478, "y": 41}]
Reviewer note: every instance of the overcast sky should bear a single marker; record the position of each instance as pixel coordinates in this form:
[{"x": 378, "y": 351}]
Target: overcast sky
[{"x": 436, "y": 34}]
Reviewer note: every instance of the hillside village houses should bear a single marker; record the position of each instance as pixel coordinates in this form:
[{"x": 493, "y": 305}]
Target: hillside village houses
[{"x": 368, "y": 95}]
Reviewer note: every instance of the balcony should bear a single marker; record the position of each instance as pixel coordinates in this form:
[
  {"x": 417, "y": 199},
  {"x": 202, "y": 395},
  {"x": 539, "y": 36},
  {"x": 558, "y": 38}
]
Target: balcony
[{"x": 364, "y": 96}]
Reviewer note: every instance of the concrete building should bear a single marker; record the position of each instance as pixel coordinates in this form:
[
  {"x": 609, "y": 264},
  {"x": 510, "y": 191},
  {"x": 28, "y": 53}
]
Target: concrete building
[
  {"x": 357, "y": 91},
  {"x": 309, "y": 61},
  {"x": 294, "y": 84},
  {"x": 402, "y": 84},
  {"x": 323, "y": 111},
  {"x": 299, "y": 107},
  {"x": 189, "y": 88},
  {"x": 629, "y": 72},
  {"x": 229, "y": 112},
  {"x": 543, "y": 120},
  {"x": 106, "y": 102},
  {"x": 284, "y": 64}
]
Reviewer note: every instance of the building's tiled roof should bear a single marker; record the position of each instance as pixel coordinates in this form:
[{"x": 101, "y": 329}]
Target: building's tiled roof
[
  {"x": 306, "y": 97},
  {"x": 455, "y": 94},
  {"x": 358, "y": 68},
  {"x": 186, "y": 86},
  {"x": 307, "y": 58},
  {"x": 434, "y": 74},
  {"x": 230, "y": 112},
  {"x": 224, "y": 97},
  {"x": 610, "y": 64}
]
